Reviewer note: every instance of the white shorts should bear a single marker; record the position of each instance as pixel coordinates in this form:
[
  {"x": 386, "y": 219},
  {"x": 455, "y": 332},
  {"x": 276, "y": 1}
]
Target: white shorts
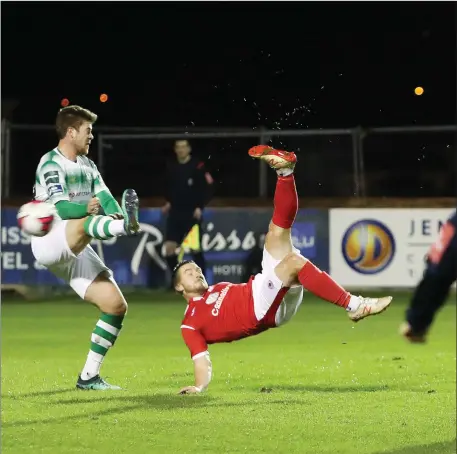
[
  {"x": 52, "y": 251},
  {"x": 266, "y": 291}
]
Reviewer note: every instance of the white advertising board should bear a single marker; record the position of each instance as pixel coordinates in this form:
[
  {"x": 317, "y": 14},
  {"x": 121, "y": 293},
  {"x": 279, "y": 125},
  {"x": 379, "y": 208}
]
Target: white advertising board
[{"x": 382, "y": 247}]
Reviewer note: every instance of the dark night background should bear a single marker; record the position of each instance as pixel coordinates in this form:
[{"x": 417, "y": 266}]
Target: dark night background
[{"x": 279, "y": 65}]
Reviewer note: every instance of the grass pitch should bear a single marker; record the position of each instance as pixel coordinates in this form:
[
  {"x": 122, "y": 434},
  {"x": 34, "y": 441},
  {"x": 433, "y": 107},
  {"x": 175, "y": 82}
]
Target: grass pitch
[{"x": 317, "y": 385}]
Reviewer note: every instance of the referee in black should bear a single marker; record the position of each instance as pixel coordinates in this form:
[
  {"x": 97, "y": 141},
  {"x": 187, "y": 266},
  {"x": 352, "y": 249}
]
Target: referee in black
[
  {"x": 189, "y": 188},
  {"x": 433, "y": 289}
]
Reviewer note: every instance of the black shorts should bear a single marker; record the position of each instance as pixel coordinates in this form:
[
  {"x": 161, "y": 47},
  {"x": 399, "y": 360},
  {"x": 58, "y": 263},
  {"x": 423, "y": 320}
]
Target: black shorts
[{"x": 179, "y": 224}]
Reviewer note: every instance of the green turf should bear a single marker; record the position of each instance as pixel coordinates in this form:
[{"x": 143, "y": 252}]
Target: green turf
[{"x": 331, "y": 386}]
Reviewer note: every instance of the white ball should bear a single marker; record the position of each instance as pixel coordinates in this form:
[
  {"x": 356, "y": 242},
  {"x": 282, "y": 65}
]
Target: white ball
[{"x": 36, "y": 218}]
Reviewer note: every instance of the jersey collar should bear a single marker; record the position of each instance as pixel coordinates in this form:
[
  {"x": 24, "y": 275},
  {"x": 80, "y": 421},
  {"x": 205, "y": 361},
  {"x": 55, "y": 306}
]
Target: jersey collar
[{"x": 199, "y": 298}]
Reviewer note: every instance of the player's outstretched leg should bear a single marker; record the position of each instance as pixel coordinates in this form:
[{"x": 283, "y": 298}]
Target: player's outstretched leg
[
  {"x": 80, "y": 232},
  {"x": 104, "y": 227},
  {"x": 293, "y": 267},
  {"x": 278, "y": 241}
]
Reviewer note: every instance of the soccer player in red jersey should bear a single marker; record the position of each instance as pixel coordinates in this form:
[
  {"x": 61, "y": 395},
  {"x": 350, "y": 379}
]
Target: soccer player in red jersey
[{"x": 227, "y": 312}]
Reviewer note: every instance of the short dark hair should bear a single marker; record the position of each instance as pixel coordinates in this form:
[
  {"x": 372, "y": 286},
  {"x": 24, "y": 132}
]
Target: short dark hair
[
  {"x": 177, "y": 268},
  {"x": 72, "y": 117},
  {"x": 181, "y": 140}
]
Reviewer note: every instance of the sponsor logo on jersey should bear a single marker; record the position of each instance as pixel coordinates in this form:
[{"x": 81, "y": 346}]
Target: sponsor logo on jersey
[
  {"x": 55, "y": 189},
  {"x": 212, "y": 298},
  {"x": 220, "y": 300},
  {"x": 79, "y": 194}
]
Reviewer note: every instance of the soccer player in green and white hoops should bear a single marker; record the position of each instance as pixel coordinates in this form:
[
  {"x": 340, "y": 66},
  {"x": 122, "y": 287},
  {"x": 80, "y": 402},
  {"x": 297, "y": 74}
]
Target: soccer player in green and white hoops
[{"x": 67, "y": 178}]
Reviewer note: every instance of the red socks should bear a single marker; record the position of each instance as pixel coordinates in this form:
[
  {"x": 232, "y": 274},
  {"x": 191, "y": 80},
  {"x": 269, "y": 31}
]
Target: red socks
[
  {"x": 285, "y": 202},
  {"x": 322, "y": 285},
  {"x": 311, "y": 277}
]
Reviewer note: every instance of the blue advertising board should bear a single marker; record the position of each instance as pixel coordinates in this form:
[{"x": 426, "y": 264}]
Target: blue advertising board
[{"x": 230, "y": 237}]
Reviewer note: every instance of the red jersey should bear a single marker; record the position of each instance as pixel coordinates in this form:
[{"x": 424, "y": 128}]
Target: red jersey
[{"x": 225, "y": 313}]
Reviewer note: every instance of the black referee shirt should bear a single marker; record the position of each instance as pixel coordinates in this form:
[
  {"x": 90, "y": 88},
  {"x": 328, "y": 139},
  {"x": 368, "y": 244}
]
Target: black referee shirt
[{"x": 188, "y": 185}]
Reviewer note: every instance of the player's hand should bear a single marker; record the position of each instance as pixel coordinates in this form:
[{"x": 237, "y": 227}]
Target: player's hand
[
  {"x": 93, "y": 206},
  {"x": 166, "y": 208},
  {"x": 198, "y": 214},
  {"x": 117, "y": 216},
  {"x": 190, "y": 390}
]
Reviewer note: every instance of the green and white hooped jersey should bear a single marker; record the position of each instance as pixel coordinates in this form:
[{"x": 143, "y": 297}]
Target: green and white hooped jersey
[{"x": 58, "y": 178}]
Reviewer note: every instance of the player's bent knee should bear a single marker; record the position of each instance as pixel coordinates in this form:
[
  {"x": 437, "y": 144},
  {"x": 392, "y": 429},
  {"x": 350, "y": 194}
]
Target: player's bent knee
[
  {"x": 111, "y": 302},
  {"x": 287, "y": 270},
  {"x": 115, "y": 303},
  {"x": 106, "y": 296},
  {"x": 118, "y": 307},
  {"x": 295, "y": 261}
]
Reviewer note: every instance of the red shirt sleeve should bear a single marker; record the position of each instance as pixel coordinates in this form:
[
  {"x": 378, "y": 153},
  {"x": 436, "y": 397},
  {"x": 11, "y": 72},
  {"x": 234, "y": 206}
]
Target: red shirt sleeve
[{"x": 194, "y": 341}]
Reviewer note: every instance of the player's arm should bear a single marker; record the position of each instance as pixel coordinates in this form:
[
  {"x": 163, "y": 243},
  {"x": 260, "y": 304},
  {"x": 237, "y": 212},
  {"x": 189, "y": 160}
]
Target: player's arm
[
  {"x": 101, "y": 191},
  {"x": 167, "y": 185},
  {"x": 200, "y": 356},
  {"x": 203, "y": 371},
  {"x": 205, "y": 186},
  {"x": 52, "y": 177}
]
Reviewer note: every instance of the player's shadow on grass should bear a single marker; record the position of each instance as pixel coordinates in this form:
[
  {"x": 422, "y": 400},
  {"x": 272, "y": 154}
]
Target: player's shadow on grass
[
  {"x": 79, "y": 417},
  {"x": 127, "y": 404},
  {"x": 168, "y": 402},
  {"x": 162, "y": 401},
  {"x": 446, "y": 447},
  {"x": 328, "y": 389},
  {"x": 143, "y": 402},
  {"x": 38, "y": 393}
]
